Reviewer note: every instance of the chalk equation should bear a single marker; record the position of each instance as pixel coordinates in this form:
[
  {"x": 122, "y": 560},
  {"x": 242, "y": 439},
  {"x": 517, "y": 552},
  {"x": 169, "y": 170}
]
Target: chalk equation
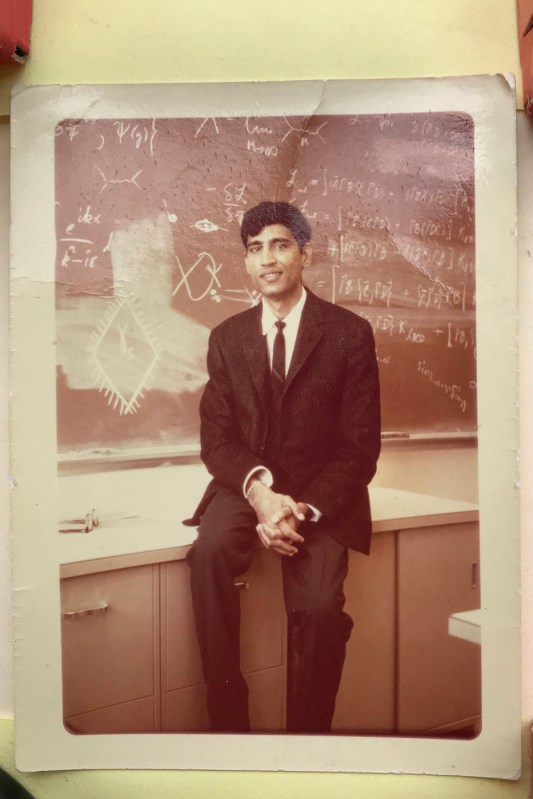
[
  {"x": 152, "y": 208},
  {"x": 136, "y": 133},
  {"x": 452, "y": 391}
]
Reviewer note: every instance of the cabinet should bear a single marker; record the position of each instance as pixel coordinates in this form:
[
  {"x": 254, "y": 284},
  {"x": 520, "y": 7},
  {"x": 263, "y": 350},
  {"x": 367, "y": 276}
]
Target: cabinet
[
  {"x": 404, "y": 673},
  {"x": 131, "y": 661},
  {"x": 110, "y": 621},
  {"x": 439, "y": 676},
  {"x": 366, "y": 696},
  {"x": 262, "y": 648},
  {"x": 130, "y": 656}
]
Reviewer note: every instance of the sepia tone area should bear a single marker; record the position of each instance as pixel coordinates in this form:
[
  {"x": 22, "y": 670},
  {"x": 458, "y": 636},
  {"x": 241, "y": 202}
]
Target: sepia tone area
[{"x": 149, "y": 259}]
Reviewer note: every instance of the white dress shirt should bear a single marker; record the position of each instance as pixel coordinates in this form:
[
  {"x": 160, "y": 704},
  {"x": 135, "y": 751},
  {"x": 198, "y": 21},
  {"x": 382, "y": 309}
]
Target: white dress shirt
[{"x": 290, "y": 331}]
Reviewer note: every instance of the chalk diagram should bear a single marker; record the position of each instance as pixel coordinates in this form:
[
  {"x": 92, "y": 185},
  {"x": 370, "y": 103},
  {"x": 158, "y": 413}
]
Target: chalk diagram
[{"x": 124, "y": 354}]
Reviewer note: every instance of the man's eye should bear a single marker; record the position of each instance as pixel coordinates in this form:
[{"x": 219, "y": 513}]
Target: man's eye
[{"x": 281, "y": 245}]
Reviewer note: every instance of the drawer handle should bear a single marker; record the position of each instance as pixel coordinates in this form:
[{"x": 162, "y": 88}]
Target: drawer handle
[
  {"x": 242, "y": 584},
  {"x": 72, "y": 615}
]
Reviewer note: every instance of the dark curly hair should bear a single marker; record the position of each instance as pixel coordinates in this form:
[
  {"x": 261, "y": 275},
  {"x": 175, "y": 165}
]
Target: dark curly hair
[{"x": 276, "y": 213}]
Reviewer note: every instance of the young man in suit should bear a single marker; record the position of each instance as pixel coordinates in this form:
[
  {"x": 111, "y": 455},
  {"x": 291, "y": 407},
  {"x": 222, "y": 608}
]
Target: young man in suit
[{"x": 290, "y": 432}]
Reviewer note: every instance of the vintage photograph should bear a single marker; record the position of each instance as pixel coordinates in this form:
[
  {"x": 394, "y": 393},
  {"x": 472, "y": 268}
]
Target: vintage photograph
[
  {"x": 359, "y": 231},
  {"x": 266, "y": 483}
]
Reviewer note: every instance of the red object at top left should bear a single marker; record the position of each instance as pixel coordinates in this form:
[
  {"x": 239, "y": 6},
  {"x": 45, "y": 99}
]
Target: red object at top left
[{"x": 15, "y": 23}]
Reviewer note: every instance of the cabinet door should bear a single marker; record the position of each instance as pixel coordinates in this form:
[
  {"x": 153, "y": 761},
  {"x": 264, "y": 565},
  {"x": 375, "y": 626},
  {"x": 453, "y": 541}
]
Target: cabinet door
[
  {"x": 262, "y": 634},
  {"x": 367, "y": 693},
  {"x": 110, "y": 643},
  {"x": 439, "y": 676}
]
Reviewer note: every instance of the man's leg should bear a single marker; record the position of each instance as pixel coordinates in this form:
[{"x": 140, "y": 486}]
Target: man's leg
[
  {"x": 222, "y": 551},
  {"x": 318, "y": 629}
]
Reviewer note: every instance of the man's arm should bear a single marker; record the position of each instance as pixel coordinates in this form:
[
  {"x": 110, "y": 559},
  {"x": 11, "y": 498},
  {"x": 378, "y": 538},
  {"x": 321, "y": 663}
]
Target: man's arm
[
  {"x": 359, "y": 432},
  {"x": 226, "y": 458}
]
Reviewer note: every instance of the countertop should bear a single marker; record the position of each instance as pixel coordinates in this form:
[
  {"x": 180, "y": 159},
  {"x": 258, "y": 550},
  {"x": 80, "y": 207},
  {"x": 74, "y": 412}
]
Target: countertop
[{"x": 140, "y": 514}]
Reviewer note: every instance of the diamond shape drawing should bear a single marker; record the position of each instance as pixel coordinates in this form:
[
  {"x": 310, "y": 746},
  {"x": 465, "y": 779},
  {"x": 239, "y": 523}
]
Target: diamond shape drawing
[{"x": 124, "y": 355}]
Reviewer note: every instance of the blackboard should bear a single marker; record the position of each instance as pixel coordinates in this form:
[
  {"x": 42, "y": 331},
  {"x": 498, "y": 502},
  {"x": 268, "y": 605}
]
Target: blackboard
[{"x": 149, "y": 258}]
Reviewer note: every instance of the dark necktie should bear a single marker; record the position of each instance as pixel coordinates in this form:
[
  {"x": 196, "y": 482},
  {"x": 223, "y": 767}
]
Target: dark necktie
[{"x": 278, "y": 358}]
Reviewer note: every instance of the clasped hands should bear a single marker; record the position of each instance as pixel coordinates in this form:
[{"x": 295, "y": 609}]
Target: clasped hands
[{"x": 279, "y": 517}]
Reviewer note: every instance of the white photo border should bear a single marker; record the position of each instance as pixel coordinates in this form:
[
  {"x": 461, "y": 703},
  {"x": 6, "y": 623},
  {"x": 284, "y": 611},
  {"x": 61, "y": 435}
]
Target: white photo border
[{"x": 42, "y": 743}]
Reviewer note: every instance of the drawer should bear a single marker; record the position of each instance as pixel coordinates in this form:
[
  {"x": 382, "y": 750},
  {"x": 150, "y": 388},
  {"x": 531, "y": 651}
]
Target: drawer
[{"x": 109, "y": 634}]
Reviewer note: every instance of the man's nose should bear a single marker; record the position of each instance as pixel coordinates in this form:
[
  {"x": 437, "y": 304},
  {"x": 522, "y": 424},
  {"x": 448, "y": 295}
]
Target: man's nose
[{"x": 267, "y": 256}]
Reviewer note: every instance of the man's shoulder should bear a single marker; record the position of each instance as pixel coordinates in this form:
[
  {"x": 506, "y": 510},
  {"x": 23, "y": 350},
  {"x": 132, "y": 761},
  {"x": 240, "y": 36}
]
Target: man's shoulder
[{"x": 237, "y": 324}]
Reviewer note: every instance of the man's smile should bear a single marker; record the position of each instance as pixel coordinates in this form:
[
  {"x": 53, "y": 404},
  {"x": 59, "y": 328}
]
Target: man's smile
[{"x": 271, "y": 276}]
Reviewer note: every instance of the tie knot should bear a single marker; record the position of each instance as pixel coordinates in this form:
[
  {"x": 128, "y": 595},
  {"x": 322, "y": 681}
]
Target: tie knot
[{"x": 280, "y": 325}]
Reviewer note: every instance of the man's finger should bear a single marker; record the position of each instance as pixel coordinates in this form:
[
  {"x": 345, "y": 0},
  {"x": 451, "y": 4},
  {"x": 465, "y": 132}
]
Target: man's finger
[
  {"x": 284, "y": 513},
  {"x": 289, "y": 532},
  {"x": 272, "y": 539},
  {"x": 262, "y": 537},
  {"x": 284, "y": 552},
  {"x": 295, "y": 510},
  {"x": 282, "y": 532}
]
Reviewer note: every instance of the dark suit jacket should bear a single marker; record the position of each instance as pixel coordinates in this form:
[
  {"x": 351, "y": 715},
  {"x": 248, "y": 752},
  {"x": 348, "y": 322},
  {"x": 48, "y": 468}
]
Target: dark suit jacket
[{"x": 330, "y": 414}]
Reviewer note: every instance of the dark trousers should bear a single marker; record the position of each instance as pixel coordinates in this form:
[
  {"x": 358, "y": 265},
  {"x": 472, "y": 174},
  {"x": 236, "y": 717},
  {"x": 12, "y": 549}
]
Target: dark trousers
[{"x": 318, "y": 628}]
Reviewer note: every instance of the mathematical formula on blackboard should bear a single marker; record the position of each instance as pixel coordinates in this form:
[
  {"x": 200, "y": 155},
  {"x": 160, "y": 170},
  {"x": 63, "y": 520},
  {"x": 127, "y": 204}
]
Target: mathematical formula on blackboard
[{"x": 149, "y": 259}]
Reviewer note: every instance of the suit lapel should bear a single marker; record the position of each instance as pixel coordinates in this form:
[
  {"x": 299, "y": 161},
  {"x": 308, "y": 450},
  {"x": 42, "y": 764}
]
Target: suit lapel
[
  {"x": 310, "y": 332},
  {"x": 255, "y": 351}
]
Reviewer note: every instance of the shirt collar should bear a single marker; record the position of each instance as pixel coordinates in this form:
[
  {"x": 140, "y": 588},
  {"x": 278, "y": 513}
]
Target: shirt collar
[{"x": 269, "y": 318}]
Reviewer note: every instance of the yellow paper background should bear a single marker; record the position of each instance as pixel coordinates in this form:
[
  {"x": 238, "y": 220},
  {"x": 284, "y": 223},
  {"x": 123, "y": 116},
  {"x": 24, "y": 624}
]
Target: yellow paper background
[{"x": 127, "y": 41}]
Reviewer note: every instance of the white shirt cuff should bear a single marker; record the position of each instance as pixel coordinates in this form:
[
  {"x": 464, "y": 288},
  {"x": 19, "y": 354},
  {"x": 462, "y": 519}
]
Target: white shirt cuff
[
  {"x": 260, "y": 473},
  {"x": 316, "y": 513}
]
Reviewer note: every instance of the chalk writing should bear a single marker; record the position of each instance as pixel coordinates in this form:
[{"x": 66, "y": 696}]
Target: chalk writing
[
  {"x": 382, "y": 121},
  {"x": 342, "y": 184},
  {"x": 461, "y": 337},
  {"x": 456, "y": 199},
  {"x": 87, "y": 218},
  {"x": 393, "y": 234},
  {"x": 205, "y": 265},
  {"x": 124, "y": 354},
  {"x": 465, "y": 236},
  {"x": 72, "y": 255},
  {"x": 439, "y": 295},
  {"x": 433, "y": 228},
  {"x": 451, "y": 390},
  {"x": 234, "y": 202},
  {"x": 253, "y": 130},
  {"x": 107, "y": 247},
  {"x": 205, "y": 121},
  {"x": 304, "y": 130},
  {"x": 113, "y": 182},
  {"x": 270, "y": 150},
  {"x": 172, "y": 218},
  {"x": 206, "y": 226},
  {"x": 70, "y": 128},
  {"x": 365, "y": 221},
  {"x": 138, "y": 134},
  {"x": 346, "y": 249},
  {"x": 428, "y": 128},
  {"x": 250, "y": 297}
]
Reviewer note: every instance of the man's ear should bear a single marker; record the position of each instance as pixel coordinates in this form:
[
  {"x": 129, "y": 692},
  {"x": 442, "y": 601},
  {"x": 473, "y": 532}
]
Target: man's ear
[
  {"x": 246, "y": 264},
  {"x": 307, "y": 254}
]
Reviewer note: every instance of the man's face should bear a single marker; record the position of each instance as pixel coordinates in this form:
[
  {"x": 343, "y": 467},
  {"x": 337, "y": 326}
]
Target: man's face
[{"x": 275, "y": 263}]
